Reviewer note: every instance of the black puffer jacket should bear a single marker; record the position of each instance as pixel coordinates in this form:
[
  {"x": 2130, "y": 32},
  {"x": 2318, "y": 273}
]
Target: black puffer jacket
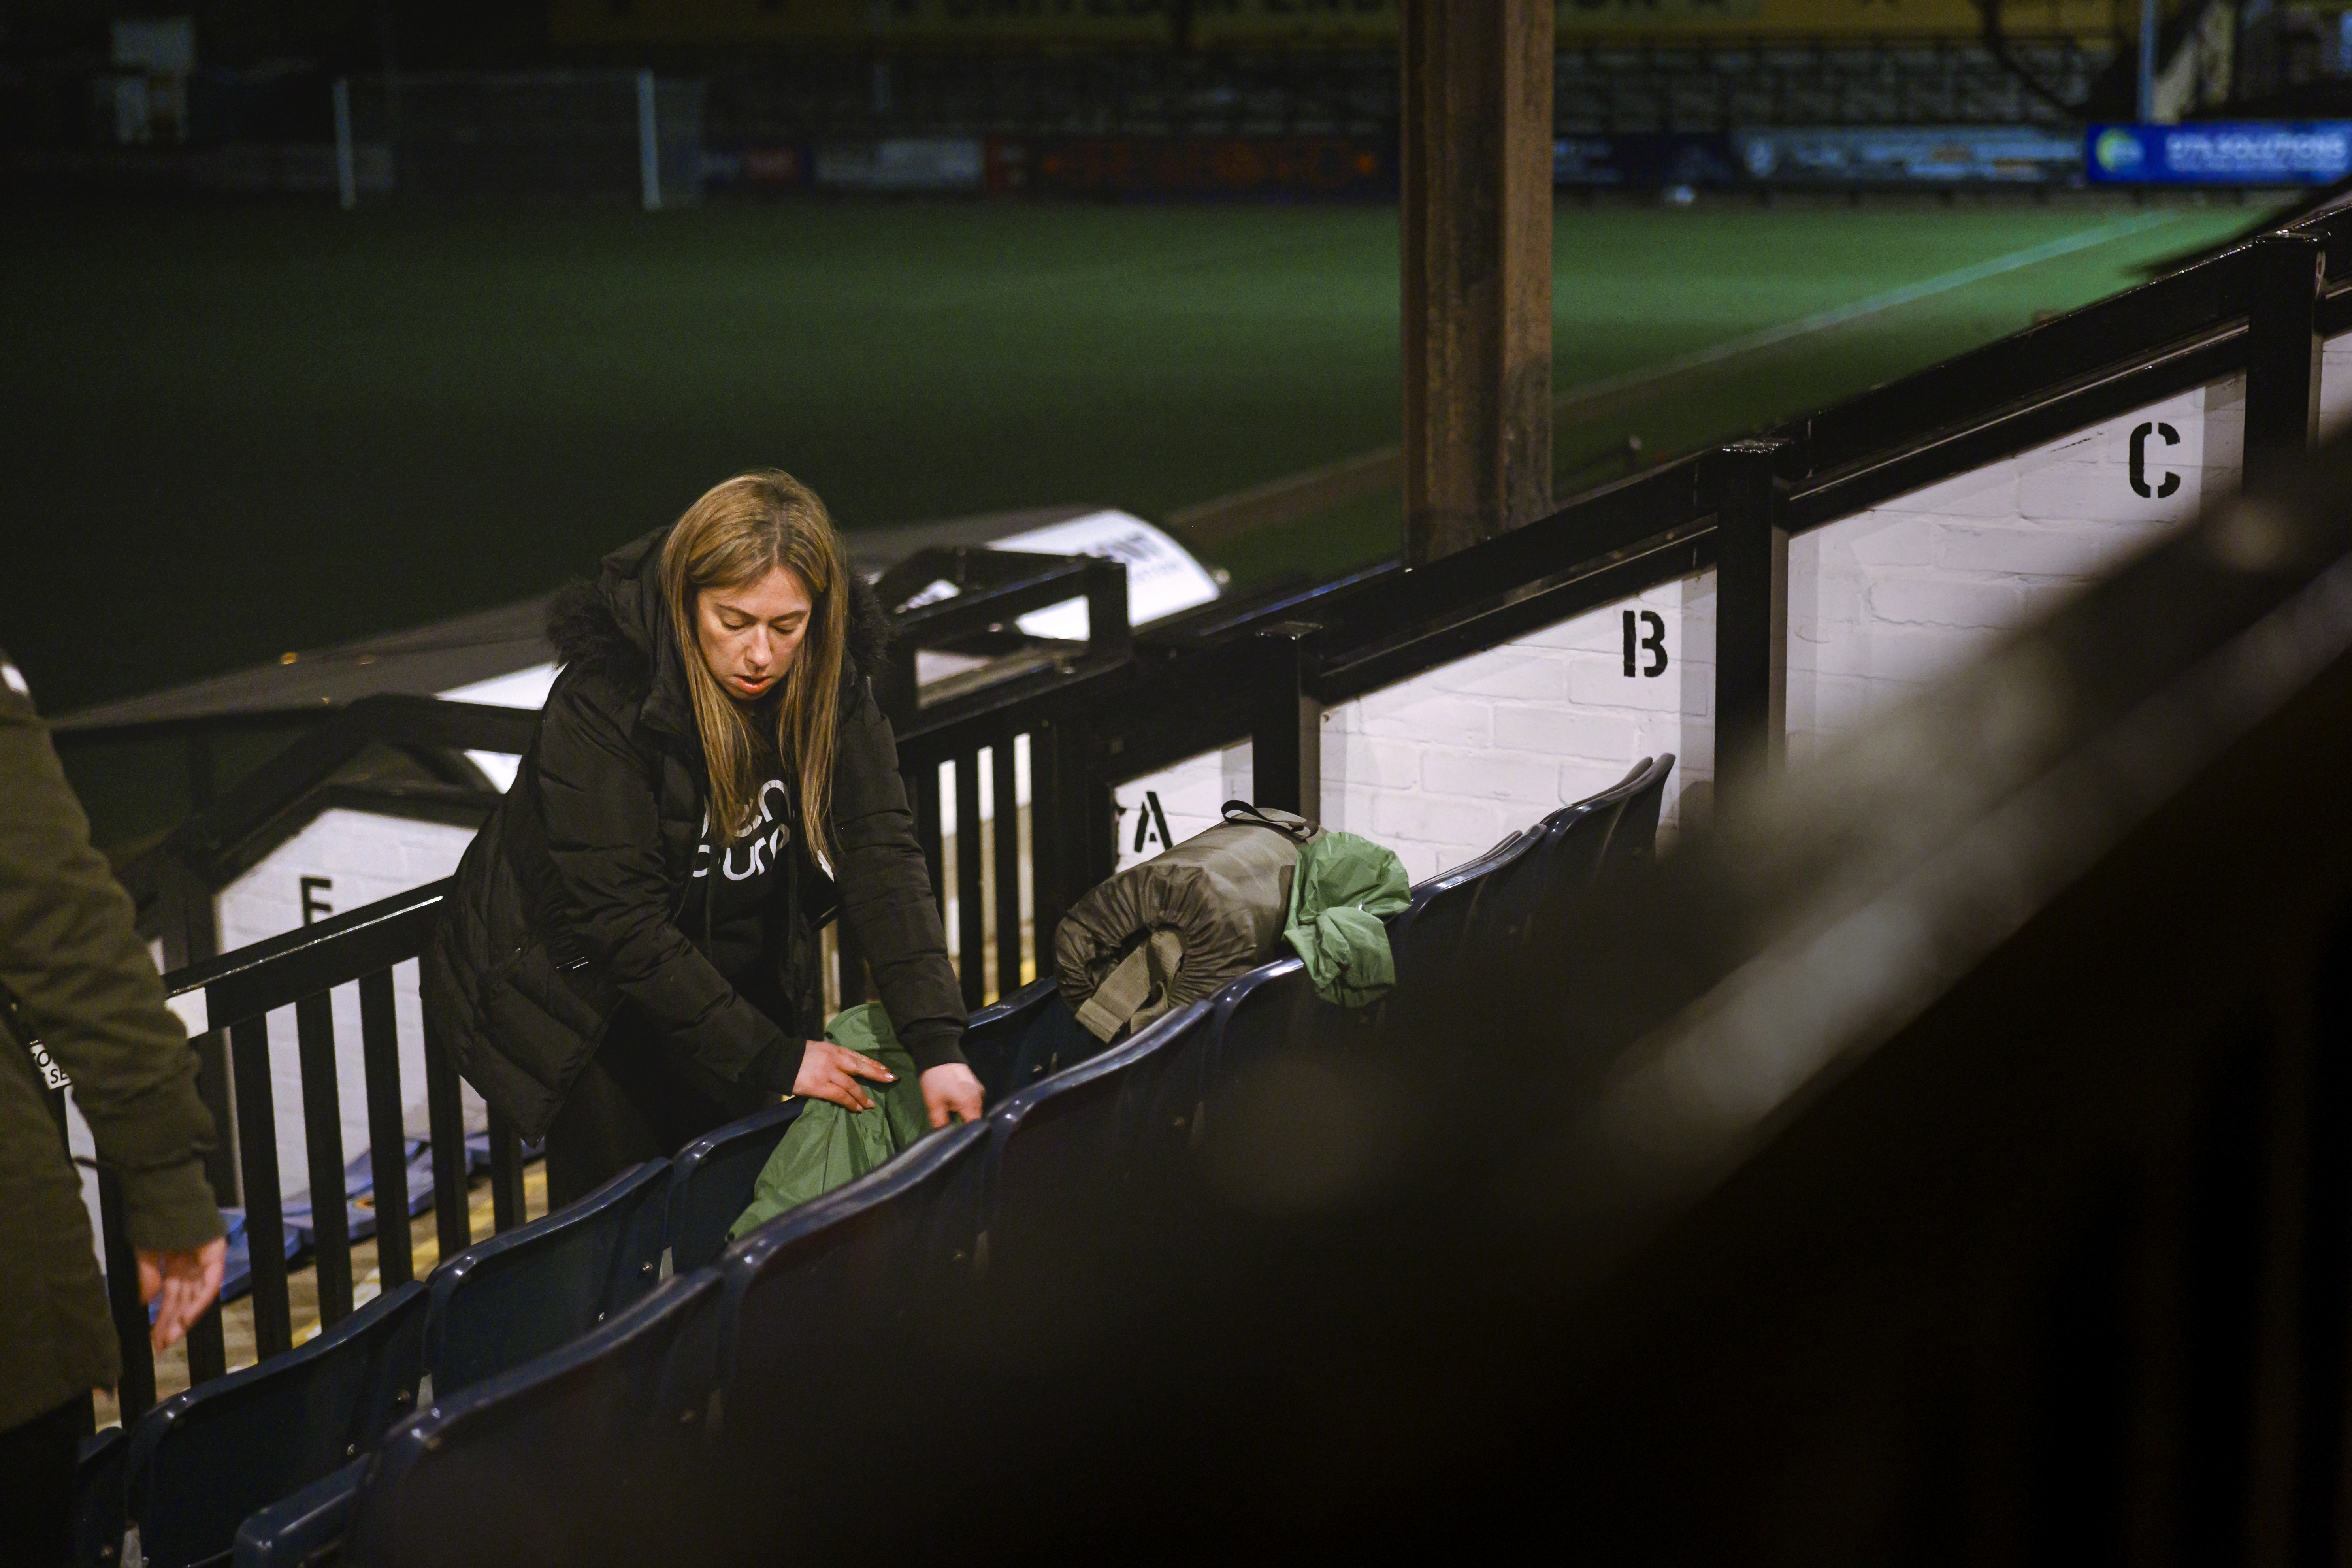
[{"x": 567, "y": 902}]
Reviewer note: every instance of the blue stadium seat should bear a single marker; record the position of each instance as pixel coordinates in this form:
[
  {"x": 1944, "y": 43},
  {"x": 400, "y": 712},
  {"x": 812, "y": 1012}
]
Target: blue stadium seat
[
  {"x": 556, "y": 1460},
  {"x": 711, "y": 1183},
  {"x": 203, "y": 1460},
  {"x": 1633, "y": 837},
  {"x": 1013, "y": 1042},
  {"x": 1077, "y": 1132},
  {"x": 98, "y": 1518},
  {"x": 306, "y": 1528},
  {"x": 1427, "y": 938},
  {"x": 857, "y": 1255},
  {"x": 541, "y": 1285},
  {"x": 1270, "y": 1005},
  {"x": 1564, "y": 854}
]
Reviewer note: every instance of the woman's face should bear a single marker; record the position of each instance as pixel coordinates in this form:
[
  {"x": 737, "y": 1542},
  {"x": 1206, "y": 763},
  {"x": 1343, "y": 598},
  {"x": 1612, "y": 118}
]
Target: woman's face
[{"x": 748, "y": 634}]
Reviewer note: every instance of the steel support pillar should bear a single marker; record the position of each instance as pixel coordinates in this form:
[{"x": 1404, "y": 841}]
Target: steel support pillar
[
  {"x": 1752, "y": 624},
  {"x": 1287, "y": 727},
  {"x": 2283, "y": 354}
]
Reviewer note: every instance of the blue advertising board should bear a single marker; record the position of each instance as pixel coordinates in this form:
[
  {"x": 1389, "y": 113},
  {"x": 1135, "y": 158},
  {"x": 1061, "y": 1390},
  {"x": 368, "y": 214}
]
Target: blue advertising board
[
  {"x": 1910, "y": 155},
  {"x": 2242, "y": 152},
  {"x": 1644, "y": 160}
]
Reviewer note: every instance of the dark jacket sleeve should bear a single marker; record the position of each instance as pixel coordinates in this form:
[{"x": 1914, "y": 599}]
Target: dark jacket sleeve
[
  {"x": 886, "y": 888},
  {"x": 71, "y": 955},
  {"x": 602, "y": 823}
]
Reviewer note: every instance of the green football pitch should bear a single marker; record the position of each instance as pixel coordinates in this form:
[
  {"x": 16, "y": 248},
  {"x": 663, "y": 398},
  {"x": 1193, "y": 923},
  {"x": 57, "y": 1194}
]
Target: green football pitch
[{"x": 237, "y": 429}]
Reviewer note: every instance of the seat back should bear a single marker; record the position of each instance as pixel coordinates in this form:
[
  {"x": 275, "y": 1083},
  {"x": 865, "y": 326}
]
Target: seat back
[
  {"x": 98, "y": 1516},
  {"x": 1073, "y": 1136},
  {"x": 1564, "y": 854},
  {"x": 568, "y": 1458},
  {"x": 822, "y": 1273},
  {"x": 1253, "y": 1015},
  {"x": 1013, "y": 1042},
  {"x": 1634, "y": 838},
  {"x": 204, "y": 1458},
  {"x": 306, "y": 1527},
  {"x": 1426, "y": 938},
  {"x": 520, "y": 1295},
  {"x": 710, "y": 1184},
  {"x": 1582, "y": 841}
]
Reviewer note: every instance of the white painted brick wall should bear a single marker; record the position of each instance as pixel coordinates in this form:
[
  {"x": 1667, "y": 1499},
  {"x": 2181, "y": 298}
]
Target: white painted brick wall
[
  {"x": 365, "y": 856},
  {"x": 1887, "y": 600},
  {"x": 2335, "y": 387},
  {"x": 1440, "y": 767}
]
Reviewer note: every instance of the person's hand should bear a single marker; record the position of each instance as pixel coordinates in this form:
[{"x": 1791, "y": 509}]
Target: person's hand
[
  {"x": 951, "y": 1089},
  {"x": 187, "y": 1282},
  {"x": 831, "y": 1072}
]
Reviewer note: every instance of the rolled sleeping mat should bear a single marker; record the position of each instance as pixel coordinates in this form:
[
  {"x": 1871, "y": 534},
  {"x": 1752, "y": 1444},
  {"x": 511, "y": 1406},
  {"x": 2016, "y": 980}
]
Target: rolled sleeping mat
[{"x": 1176, "y": 928}]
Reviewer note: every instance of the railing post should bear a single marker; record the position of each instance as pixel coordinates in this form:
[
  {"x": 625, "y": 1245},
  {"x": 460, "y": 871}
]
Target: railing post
[
  {"x": 387, "y": 1136},
  {"x": 506, "y": 1175},
  {"x": 971, "y": 958},
  {"x": 265, "y": 1202},
  {"x": 191, "y": 935},
  {"x": 1006, "y": 847},
  {"x": 1287, "y": 726},
  {"x": 2283, "y": 354},
  {"x": 1073, "y": 839},
  {"x": 1108, "y": 633},
  {"x": 1751, "y": 619},
  {"x": 444, "y": 1112},
  {"x": 136, "y": 1392},
  {"x": 322, "y": 1137}
]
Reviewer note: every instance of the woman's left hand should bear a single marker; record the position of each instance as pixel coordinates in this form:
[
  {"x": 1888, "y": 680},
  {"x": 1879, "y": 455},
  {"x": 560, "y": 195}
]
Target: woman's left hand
[{"x": 952, "y": 1090}]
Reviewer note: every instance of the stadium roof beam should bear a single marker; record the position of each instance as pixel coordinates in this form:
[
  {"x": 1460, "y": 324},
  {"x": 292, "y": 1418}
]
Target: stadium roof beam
[{"x": 1477, "y": 270}]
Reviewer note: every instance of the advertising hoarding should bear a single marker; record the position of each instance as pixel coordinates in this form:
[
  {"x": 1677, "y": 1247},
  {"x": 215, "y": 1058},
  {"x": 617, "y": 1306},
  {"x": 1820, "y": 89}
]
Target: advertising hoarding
[{"x": 2220, "y": 153}]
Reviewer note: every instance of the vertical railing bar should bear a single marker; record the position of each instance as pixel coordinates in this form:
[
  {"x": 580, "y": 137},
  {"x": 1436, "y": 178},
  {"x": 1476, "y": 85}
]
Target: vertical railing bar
[
  {"x": 387, "y": 1133},
  {"x": 213, "y": 1089},
  {"x": 445, "y": 1114},
  {"x": 322, "y": 1136},
  {"x": 506, "y": 1175},
  {"x": 923, "y": 786},
  {"x": 1008, "y": 867},
  {"x": 207, "y": 1348},
  {"x": 971, "y": 958},
  {"x": 136, "y": 1392},
  {"x": 265, "y": 1210},
  {"x": 1048, "y": 835},
  {"x": 853, "y": 963}
]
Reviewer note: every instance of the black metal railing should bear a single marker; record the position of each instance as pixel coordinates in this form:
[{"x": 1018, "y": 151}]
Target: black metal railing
[{"x": 230, "y": 1000}]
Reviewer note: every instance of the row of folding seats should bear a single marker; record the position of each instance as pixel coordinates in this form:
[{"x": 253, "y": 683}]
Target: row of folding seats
[
  {"x": 199, "y": 1463},
  {"x": 536, "y": 1461}
]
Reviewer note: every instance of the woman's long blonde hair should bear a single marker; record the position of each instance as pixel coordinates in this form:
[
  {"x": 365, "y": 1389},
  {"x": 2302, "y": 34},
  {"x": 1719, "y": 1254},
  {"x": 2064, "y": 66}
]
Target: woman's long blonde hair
[{"x": 736, "y": 534}]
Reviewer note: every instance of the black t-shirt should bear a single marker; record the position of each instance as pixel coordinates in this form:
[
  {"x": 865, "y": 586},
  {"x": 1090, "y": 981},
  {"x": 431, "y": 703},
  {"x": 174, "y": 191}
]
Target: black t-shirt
[{"x": 733, "y": 881}]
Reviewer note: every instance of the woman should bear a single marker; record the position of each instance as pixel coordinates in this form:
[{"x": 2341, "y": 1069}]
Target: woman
[{"x": 630, "y": 957}]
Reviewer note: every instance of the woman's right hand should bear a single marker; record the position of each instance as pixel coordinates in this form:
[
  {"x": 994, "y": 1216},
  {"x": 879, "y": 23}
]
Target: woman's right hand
[{"x": 831, "y": 1072}]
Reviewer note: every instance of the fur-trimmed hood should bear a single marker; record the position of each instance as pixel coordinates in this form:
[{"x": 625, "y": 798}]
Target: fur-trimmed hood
[{"x": 619, "y": 626}]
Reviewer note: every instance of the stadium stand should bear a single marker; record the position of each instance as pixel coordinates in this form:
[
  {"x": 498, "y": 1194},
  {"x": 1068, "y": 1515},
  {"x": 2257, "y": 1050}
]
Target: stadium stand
[
  {"x": 1919, "y": 520},
  {"x": 2231, "y": 347},
  {"x": 1917, "y": 992},
  {"x": 929, "y": 1223}
]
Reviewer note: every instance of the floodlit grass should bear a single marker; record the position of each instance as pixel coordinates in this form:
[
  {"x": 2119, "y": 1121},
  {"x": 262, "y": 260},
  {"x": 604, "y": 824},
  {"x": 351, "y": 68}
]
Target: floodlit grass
[{"x": 241, "y": 428}]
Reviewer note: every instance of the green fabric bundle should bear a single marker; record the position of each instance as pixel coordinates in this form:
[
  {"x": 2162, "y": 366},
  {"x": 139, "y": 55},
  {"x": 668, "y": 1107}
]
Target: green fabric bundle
[
  {"x": 1345, "y": 886},
  {"x": 826, "y": 1145}
]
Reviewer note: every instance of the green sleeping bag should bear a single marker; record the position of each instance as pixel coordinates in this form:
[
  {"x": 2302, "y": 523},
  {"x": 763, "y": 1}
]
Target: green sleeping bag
[{"x": 826, "y": 1145}]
